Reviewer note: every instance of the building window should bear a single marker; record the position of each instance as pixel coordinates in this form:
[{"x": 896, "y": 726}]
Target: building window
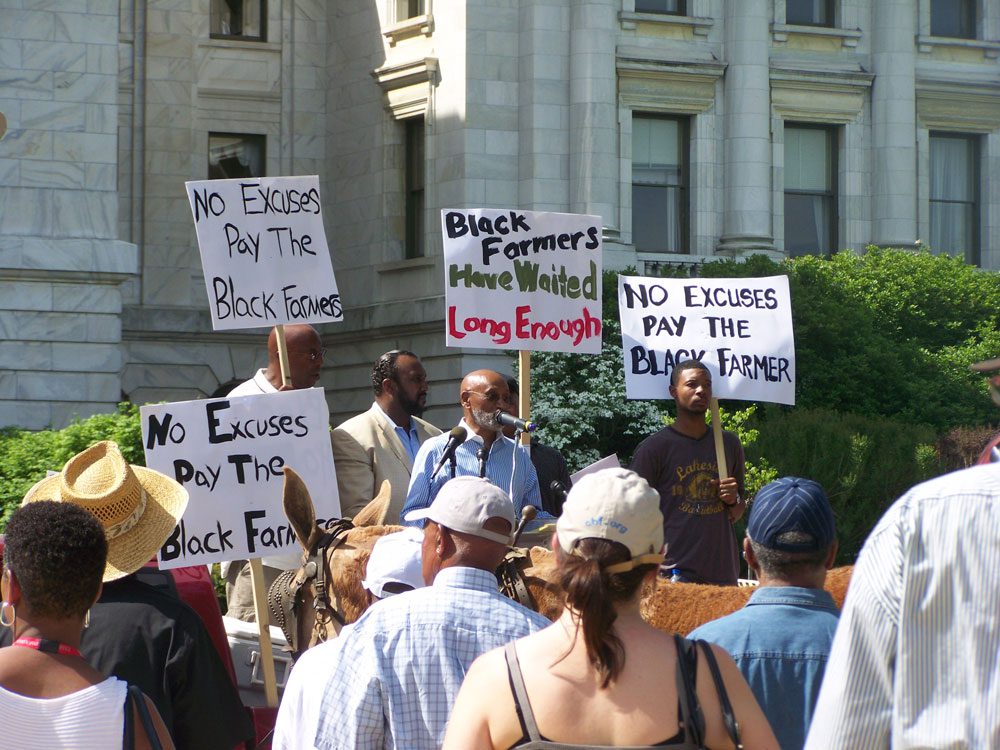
[
  {"x": 659, "y": 184},
  {"x": 953, "y": 18},
  {"x": 235, "y": 155},
  {"x": 954, "y": 195},
  {"x": 667, "y": 7},
  {"x": 244, "y": 19},
  {"x": 409, "y": 9},
  {"x": 414, "y": 187},
  {"x": 809, "y": 12},
  {"x": 810, "y": 190}
]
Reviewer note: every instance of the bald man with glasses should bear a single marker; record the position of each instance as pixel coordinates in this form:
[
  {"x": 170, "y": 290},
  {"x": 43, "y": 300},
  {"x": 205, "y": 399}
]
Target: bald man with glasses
[{"x": 506, "y": 464}]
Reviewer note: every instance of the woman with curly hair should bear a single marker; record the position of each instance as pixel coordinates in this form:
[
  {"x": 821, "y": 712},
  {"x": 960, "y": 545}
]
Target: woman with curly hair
[
  {"x": 600, "y": 676},
  {"x": 54, "y": 559}
]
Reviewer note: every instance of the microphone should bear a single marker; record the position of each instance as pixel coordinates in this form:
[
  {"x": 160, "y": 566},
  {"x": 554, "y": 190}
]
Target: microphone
[
  {"x": 455, "y": 438},
  {"x": 506, "y": 420},
  {"x": 528, "y": 513},
  {"x": 558, "y": 491},
  {"x": 481, "y": 455}
]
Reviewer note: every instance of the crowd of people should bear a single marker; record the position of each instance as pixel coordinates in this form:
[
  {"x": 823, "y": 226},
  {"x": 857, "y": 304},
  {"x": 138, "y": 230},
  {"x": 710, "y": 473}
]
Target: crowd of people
[{"x": 101, "y": 655}]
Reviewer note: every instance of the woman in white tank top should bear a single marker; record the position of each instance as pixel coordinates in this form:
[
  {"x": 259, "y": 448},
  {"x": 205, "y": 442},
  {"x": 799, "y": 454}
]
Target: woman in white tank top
[{"x": 54, "y": 560}]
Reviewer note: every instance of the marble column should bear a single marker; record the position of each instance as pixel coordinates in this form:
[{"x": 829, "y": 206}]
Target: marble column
[
  {"x": 593, "y": 122},
  {"x": 747, "y": 126},
  {"x": 894, "y": 217}
]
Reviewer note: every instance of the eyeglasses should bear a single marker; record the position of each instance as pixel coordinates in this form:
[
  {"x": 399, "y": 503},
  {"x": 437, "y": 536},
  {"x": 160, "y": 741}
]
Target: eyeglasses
[
  {"x": 489, "y": 395},
  {"x": 313, "y": 355}
]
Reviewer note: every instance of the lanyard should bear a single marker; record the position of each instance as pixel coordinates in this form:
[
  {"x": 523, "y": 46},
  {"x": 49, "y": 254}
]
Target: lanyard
[{"x": 50, "y": 647}]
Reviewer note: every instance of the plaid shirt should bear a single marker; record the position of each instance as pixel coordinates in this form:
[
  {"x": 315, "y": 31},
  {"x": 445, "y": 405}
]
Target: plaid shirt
[{"x": 398, "y": 673}]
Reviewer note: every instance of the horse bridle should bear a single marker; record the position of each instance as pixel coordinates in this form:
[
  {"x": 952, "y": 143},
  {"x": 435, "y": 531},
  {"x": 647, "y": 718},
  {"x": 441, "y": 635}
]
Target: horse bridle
[{"x": 285, "y": 594}]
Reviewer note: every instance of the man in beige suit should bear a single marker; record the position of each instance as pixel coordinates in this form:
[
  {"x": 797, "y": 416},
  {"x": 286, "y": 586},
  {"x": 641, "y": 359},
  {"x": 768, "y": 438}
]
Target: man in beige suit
[{"x": 381, "y": 443}]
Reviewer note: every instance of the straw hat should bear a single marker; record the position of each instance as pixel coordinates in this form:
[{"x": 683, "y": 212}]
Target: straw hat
[{"x": 138, "y": 507}]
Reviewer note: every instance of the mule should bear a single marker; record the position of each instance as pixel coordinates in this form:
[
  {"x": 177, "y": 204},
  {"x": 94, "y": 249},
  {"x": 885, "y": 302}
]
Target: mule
[{"x": 314, "y": 602}]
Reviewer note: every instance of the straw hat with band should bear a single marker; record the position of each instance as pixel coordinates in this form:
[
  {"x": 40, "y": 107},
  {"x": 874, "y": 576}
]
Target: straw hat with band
[
  {"x": 137, "y": 507},
  {"x": 618, "y": 505}
]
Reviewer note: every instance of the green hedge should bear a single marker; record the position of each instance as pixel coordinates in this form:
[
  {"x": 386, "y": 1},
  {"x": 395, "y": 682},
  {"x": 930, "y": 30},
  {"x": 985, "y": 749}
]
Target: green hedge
[
  {"x": 26, "y": 456},
  {"x": 863, "y": 463}
]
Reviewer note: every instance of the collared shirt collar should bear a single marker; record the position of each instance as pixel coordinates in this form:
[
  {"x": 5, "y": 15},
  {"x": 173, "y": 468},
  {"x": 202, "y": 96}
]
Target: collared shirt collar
[
  {"x": 409, "y": 428},
  {"x": 463, "y": 577},
  {"x": 796, "y": 595},
  {"x": 473, "y": 436}
]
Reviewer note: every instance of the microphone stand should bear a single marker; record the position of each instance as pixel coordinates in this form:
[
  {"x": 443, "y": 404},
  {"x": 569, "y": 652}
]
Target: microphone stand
[{"x": 452, "y": 462}]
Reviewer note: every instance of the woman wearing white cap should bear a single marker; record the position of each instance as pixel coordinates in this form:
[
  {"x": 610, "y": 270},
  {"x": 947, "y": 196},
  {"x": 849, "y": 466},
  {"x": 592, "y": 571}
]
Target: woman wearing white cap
[{"x": 600, "y": 676}]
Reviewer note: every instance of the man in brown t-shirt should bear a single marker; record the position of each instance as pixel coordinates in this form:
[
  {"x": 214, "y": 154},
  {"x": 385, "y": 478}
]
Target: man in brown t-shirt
[{"x": 698, "y": 509}]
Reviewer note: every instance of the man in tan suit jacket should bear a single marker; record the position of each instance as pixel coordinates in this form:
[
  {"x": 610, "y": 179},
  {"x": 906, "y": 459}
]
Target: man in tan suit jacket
[{"x": 381, "y": 443}]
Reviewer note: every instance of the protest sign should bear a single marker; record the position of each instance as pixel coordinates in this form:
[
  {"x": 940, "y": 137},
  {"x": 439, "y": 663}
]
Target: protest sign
[
  {"x": 608, "y": 462},
  {"x": 522, "y": 280},
  {"x": 741, "y": 329},
  {"x": 229, "y": 454},
  {"x": 264, "y": 252}
]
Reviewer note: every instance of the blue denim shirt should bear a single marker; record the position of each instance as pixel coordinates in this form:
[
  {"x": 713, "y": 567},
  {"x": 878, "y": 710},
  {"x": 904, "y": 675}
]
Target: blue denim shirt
[{"x": 780, "y": 641}]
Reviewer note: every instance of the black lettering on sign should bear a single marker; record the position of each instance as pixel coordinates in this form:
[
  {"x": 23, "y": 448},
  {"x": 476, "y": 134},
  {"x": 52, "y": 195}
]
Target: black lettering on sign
[
  {"x": 214, "y": 437},
  {"x": 753, "y": 367},
  {"x": 730, "y": 327},
  {"x": 206, "y": 203},
  {"x": 648, "y": 362},
  {"x": 306, "y": 306},
  {"x": 295, "y": 245},
  {"x": 228, "y": 304},
  {"x": 644, "y": 295},
  {"x": 157, "y": 432}
]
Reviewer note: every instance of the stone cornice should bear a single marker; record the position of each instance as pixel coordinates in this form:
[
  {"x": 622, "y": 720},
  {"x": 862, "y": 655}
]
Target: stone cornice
[
  {"x": 970, "y": 107},
  {"x": 666, "y": 85}
]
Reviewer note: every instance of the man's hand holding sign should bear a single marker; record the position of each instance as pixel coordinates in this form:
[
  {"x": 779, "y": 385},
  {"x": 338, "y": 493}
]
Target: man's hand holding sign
[{"x": 700, "y": 340}]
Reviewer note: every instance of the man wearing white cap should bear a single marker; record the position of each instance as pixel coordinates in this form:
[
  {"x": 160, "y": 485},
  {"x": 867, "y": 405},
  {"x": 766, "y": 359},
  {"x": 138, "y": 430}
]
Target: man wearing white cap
[
  {"x": 400, "y": 667},
  {"x": 393, "y": 568}
]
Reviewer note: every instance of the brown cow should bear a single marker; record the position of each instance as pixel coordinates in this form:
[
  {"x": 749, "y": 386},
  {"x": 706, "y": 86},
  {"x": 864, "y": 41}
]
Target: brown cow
[{"x": 670, "y": 607}]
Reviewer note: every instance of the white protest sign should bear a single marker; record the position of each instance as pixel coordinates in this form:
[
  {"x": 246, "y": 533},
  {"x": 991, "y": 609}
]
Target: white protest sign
[
  {"x": 522, "y": 280},
  {"x": 608, "y": 462},
  {"x": 264, "y": 251},
  {"x": 229, "y": 454},
  {"x": 741, "y": 329}
]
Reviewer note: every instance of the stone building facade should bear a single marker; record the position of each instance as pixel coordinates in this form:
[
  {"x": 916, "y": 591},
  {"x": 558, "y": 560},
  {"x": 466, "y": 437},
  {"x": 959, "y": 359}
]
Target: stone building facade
[{"x": 695, "y": 128}]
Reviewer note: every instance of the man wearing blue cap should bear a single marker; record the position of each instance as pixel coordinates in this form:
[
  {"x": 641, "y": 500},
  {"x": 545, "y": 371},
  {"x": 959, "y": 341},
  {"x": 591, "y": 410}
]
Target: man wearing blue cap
[{"x": 781, "y": 640}]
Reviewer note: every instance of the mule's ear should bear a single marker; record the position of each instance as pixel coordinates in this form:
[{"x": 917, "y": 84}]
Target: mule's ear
[
  {"x": 374, "y": 513},
  {"x": 298, "y": 505}
]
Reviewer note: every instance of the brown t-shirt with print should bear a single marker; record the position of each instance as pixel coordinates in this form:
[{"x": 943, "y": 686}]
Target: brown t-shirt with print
[{"x": 696, "y": 525}]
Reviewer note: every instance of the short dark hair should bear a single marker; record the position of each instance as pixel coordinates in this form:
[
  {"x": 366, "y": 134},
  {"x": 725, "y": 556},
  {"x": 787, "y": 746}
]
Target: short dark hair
[
  {"x": 512, "y": 385},
  {"x": 687, "y": 364},
  {"x": 385, "y": 368},
  {"x": 779, "y": 564},
  {"x": 58, "y": 552}
]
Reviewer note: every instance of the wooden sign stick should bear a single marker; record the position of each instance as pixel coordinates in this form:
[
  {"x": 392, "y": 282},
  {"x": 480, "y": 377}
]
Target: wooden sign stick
[
  {"x": 257, "y": 569},
  {"x": 524, "y": 397},
  {"x": 720, "y": 451}
]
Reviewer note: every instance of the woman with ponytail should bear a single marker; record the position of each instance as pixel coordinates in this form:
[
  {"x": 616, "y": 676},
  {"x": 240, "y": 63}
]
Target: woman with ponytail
[{"x": 600, "y": 676}]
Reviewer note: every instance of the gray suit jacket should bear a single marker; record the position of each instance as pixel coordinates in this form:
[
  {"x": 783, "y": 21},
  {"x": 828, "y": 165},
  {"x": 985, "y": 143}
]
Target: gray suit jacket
[{"x": 366, "y": 450}]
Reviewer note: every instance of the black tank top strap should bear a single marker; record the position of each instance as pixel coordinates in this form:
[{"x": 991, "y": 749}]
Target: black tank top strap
[
  {"x": 524, "y": 713},
  {"x": 687, "y": 695}
]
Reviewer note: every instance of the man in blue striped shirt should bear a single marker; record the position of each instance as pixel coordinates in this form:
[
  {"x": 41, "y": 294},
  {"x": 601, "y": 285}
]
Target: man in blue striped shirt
[
  {"x": 506, "y": 465},
  {"x": 395, "y": 678}
]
